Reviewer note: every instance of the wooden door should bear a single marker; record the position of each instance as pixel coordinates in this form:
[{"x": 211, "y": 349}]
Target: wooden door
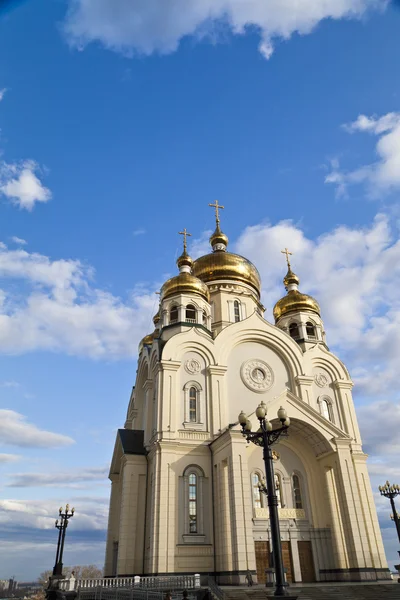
[
  {"x": 262, "y": 560},
  {"x": 287, "y": 561},
  {"x": 306, "y": 562}
]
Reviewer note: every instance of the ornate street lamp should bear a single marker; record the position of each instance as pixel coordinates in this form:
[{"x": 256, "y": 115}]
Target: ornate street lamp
[
  {"x": 391, "y": 491},
  {"x": 265, "y": 436},
  {"x": 61, "y": 525}
]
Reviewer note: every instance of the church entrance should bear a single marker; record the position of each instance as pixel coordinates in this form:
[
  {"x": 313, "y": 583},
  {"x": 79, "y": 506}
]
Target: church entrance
[
  {"x": 306, "y": 562},
  {"x": 263, "y": 560}
]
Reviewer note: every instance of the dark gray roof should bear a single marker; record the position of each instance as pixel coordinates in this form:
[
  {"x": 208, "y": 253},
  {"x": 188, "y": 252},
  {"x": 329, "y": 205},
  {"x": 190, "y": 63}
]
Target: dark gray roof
[{"x": 132, "y": 441}]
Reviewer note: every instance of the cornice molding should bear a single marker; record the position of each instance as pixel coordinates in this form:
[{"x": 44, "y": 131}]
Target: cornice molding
[{"x": 170, "y": 365}]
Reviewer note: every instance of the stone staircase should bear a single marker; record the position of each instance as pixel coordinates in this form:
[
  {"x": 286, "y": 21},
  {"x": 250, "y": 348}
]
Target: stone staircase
[{"x": 390, "y": 591}]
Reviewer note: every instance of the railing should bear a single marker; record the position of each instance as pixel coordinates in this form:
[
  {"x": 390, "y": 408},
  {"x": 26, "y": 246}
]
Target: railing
[
  {"x": 190, "y": 320},
  {"x": 216, "y": 591},
  {"x": 126, "y": 584}
]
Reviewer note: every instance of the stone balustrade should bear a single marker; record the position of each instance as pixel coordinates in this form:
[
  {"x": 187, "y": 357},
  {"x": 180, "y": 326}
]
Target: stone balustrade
[{"x": 176, "y": 582}]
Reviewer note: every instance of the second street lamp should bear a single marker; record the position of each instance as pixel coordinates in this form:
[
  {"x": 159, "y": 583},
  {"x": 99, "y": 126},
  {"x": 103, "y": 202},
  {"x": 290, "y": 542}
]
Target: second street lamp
[
  {"x": 391, "y": 491},
  {"x": 265, "y": 436},
  {"x": 61, "y": 525}
]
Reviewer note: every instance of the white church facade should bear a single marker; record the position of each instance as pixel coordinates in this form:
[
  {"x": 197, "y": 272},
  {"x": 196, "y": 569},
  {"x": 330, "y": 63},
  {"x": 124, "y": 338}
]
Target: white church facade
[{"x": 185, "y": 495}]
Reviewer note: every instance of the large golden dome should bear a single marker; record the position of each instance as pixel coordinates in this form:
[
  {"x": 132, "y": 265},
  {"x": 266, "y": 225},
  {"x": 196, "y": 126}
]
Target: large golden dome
[
  {"x": 295, "y": 301},
  {"x": 225, "y": 265},
  {"x": 184, "y": 283},
  {"x": 221, "y": 264}
]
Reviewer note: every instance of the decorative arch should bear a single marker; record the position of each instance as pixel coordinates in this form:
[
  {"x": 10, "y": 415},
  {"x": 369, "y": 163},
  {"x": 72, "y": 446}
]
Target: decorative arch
[
  {"x": 256, "y": 477},
  {"x": 297, "y": 490},
  {"x": 294, "y": 330},
  {"x": 311, "y": 329}
]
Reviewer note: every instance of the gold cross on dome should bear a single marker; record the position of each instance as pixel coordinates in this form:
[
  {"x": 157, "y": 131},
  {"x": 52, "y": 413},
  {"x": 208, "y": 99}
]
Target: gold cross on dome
[
  {"x": 185, "y": 235},
  {"x": 217, "y": 207},
  {"x": 286, "y": 251}
]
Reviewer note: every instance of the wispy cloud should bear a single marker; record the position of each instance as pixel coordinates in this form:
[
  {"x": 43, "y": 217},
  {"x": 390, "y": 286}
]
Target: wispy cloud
[
  {"x": 382, "y": 175},
  {"x": 9, "y": 458},
  {"x": 78, "y": 478},
  {"x": 20, "y": 184},
  {"x": 2, "y": 93},
  {"x": 139, "y": 232},
  {"x": 15, "y": 430},
  {"x": 9, "y": 384},
  {"x": 18, "y": 240}
]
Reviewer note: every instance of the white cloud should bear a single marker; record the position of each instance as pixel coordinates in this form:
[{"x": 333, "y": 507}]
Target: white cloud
[
  {"x": 9, "y": 458},
  {"x": 18, "y": 240},
  {"x": 21, "y": 185},
  {"x": 2, "y": 93},
  {"x": 147, "y": 26},
  {"x": 62, "y": 311},
  {"x": 354, "y": 273},
  {"x": 78, "y": 479},
  {"x": 383, "y": 175},
  {"x": 139, "y": 232},
  {"x": 9, "y": 384},
  {"x": 15, "y": 430}
]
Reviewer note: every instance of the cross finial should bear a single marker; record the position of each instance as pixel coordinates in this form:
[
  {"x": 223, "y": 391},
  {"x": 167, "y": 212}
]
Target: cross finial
[
  {"x": 217, "y": 207},
  {"x": 185, "y": 235},
  {"x": 286, "y": 251}
]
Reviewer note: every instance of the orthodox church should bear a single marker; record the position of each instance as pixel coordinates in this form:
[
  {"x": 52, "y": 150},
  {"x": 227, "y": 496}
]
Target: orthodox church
[{"x": 185, "y": 496}]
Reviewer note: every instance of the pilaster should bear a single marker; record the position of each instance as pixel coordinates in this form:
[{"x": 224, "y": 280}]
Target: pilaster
[
  {"x": 113, "y": 522},
  {"x": 304, "y": 384},
  {"x": 217, "y": 405}
]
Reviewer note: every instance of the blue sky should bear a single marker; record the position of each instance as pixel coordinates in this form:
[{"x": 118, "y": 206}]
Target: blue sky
[{"x": 112, "y": 139}]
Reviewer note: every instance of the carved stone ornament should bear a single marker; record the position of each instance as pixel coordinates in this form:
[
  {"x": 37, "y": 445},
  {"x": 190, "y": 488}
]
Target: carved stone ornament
[
  {"x": 192, "y": 366},
  {"x": 321, "y": 380},
  {"x": 257, "y": 375},
  {"x": 275, "y": 455}
]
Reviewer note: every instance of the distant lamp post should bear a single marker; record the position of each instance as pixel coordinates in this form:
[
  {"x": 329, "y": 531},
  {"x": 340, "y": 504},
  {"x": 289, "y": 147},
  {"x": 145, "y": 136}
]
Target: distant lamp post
[
  {"x": 391, "y": 491},
  {"x": 61, "y": 524},
  {"x": 265, "y": 436}
]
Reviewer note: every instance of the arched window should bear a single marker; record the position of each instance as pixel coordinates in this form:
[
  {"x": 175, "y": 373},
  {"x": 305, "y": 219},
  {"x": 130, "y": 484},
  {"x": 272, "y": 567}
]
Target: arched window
[
  {"x": 204, "y": 318},
  {"x": 278, "y": 490},
  {"x": 255, "y": 480},
  {"x": 192, "y": 503},
  {"x": 294, "y": 331},
  {"x": 190, "y": 313},
  {"x": 310, "y": 330},
  {"x": 173, "y": 315},
  {"x": 298, "y": 502},
  {"x": 236, "y": 311},
  {"x": 325, "y": 409},
  {"x": 193, "y": 405}
]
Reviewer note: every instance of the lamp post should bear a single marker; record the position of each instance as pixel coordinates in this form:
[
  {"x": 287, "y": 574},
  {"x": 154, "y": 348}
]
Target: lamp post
[
  {"x": 265, "y": 436},
  {"x": 391, "y": 491},
  {"x": 61, "y": 525}
]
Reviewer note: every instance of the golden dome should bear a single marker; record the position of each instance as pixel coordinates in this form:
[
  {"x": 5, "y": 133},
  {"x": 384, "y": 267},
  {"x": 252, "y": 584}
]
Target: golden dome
[
  {"x": 156, "y": 318},
  {"x": 184, "y": 283},
  {"x": 295, "y": 301},
  {"x": 225, "y": 265},
  {"x": 146, "y": 341},
  {"x": 218, "y": 237},
  {"x": 184, "y": 260}
]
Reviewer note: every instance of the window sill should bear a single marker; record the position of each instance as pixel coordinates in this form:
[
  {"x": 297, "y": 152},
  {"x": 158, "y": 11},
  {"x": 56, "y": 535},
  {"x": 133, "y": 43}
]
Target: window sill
[{"x": 194, "y": 538}]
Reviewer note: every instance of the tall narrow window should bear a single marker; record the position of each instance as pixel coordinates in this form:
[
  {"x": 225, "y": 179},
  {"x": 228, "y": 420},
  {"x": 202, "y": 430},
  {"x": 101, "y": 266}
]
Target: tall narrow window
[
  {"x": 325, "y": 409},
  {"x": 173, "y": 315},
  {"x": 256, "y": 490},
  {"x": 236, "y": 311},
  {"x": 294, "y": 331},
  {"x": 310, "y": 329},
  {"x": 298, "y": 502},
  {"x": 193, "y": 405},
  {"x": 193, "y": 503},
  {"x": 204, "y": 318},
  {"x": 191, "y": 313},
  {"x": 278, "y": 490}
]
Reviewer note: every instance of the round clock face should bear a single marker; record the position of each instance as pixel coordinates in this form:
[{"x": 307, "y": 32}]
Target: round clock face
[{"x": 257, "y": 375}]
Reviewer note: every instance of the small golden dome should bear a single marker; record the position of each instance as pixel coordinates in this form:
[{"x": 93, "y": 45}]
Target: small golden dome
[
  {"x": 225, "y": 265},
  {"x": 295, "y": 301},
  {"x": 218, "y": 237},
  {"x": 290, "y": 278},
  {"x": 156, "y": 318},
  {"x": 184, "y": 260},
  {"x": 146, "y": 341},
  {"x": 184, "y": 283}
]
